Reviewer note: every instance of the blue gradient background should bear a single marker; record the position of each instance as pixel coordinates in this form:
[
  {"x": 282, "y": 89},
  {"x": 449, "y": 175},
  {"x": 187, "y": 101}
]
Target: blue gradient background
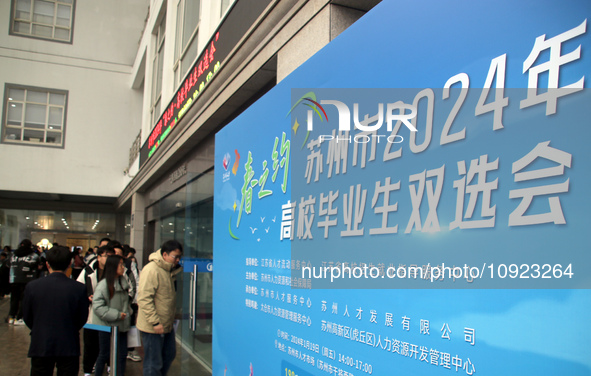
[{"x": 416, "y": 44}]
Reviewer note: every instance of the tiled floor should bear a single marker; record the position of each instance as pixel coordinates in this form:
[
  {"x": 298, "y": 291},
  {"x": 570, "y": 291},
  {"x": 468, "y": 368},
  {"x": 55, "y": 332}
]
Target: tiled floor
[{"x": 14, "y": 344}]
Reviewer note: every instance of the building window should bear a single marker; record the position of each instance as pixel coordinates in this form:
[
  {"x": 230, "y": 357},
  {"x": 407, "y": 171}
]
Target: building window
[
  {"x": 34, "y": 116},
  {"x": 157, "y": 69},
  {"x": 188, "y": 20},
  {"x": 44, "y": 19}
]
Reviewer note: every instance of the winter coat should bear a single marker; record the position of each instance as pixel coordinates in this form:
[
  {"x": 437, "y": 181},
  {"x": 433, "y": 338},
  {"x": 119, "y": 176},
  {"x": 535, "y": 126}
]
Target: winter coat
[
  {"x": 133, "y": 276},
  {"x": 107, "y": 310},
  {"x": 89, "y": 258},
  {"x": 89, "y": 277},
  {"x": 156, "y": 295},
  {"x": 55, "y": 308},
  {"x": 24, "y": 264}
]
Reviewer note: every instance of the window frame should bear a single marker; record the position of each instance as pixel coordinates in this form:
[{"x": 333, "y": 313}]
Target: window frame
[
  {"x": 180, "y": 51},
  {"x": 13, "y": 19},
  {"x": 44, "y": 143},
  {"x": 157, "y": 73}
]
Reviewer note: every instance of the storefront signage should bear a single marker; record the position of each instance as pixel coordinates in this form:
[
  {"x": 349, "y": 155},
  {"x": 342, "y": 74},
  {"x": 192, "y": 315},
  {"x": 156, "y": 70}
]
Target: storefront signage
[
  {"x": 203, "y": 265},
  {"x": 178, "y": 173}
]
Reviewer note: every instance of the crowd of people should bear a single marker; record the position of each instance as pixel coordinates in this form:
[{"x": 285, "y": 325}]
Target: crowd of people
[{"x": 97, "y": 291}]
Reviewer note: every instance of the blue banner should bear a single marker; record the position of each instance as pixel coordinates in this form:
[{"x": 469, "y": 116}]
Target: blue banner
[{"x": 347, "y": 243}]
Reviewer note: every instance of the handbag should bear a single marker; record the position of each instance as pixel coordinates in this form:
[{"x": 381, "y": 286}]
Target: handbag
[{"x": 133, "y": 337}]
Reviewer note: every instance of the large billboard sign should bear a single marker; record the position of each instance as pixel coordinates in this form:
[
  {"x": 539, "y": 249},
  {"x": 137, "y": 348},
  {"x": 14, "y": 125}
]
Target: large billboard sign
[{"x": 413, "y": 200}]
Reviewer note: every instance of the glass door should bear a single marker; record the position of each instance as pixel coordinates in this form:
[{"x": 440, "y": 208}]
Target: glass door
[
  {"x": 170, "y": 225},
  {"x": 186, "y": 215},
  {"x": 195, "y": 281}
]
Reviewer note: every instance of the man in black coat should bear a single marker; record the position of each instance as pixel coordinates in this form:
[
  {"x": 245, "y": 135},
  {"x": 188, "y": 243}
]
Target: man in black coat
[{"x": 55, "y": 308}]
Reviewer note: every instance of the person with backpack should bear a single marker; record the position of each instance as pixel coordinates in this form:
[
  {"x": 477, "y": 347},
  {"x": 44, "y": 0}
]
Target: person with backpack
[
  {"x": 90, "y": 276},
  {"x": 110, "y": 305},
  {"x": 23, "y": 269}
]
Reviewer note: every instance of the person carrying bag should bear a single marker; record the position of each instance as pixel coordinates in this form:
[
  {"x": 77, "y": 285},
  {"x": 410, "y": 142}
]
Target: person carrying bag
[{"x": 110, "y": 305}]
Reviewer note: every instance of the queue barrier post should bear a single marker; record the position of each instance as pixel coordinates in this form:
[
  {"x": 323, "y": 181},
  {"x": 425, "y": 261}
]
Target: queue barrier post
[
  {"x": 114, "y": 341},
  {"x": 114, "y": 330}
]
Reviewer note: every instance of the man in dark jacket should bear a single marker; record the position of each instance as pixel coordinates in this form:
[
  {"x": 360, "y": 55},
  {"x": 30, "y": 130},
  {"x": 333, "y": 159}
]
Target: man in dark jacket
[
  {"x": 23, "y": 269},
  {"x": 55, "y": 308}
]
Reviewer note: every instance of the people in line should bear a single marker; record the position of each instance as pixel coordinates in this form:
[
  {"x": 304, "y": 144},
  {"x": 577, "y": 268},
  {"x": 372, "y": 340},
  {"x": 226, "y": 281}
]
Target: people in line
[
  {"x": 111, "y": 307},
  {"x": 92, "y": 262},
  {"x": 8, "y": 250},
  {"x": 55, "y": 308},
  {"x": 43, "y": 271},
  {"x": 130, "y": 254},
  {"x": 23, "y": 269},
  {"x": 90, "y": 276},
  {"x": 77, "y": 262},
  {"x": 157, "y": 304},
  {"x": 116, "y": 293},
  {"x": 131, "y": 281},
  {"x": 131, "y": 264},
  {"x": 90, "y": 255}
]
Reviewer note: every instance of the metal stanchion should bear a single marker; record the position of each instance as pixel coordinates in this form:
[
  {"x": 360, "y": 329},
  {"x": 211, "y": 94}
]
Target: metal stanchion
[{"x": 114, "y": 349}]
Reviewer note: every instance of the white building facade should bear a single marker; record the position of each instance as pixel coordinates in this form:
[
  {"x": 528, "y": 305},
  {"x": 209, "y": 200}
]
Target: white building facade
[{"x": 110, "y": 110}]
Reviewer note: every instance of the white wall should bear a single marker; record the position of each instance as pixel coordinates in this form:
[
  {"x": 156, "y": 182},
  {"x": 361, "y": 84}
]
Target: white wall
[
  {"x": 106, "y": 31},
  {"x": 104, "y": 113}
]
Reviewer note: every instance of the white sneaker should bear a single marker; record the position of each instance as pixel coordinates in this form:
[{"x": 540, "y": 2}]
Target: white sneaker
[
  {"x": 87, "y": 374},
  {"x": 131, "y": 355},
  {"x": 19, "y": 322},
  {"x": 11, "y": 321}
]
